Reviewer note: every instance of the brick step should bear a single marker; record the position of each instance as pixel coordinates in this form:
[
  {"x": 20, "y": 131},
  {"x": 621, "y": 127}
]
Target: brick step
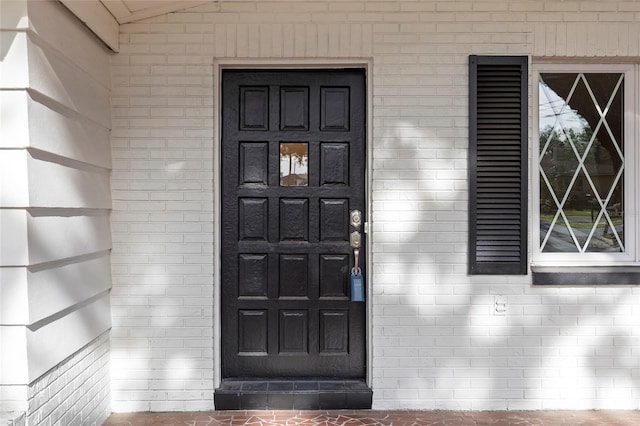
[{"x": 294, "y": 394}]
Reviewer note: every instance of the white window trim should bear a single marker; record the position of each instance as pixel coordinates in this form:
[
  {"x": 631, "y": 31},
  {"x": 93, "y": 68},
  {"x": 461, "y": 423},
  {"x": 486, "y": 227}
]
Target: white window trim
[{"x": 631, "y": 182}]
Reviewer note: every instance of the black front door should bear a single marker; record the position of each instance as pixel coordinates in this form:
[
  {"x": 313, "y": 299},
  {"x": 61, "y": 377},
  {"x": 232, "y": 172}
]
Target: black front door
[{"x": 293, "y": 168}]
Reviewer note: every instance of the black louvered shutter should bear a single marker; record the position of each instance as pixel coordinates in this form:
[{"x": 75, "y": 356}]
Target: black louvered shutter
[{"x": 498, "y": 165}]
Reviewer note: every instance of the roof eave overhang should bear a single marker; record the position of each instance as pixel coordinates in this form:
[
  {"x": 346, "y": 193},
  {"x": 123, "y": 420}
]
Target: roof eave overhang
[{"x": 104, "y": 17}]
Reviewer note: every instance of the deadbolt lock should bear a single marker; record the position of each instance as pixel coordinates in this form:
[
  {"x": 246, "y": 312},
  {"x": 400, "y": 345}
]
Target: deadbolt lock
[{"x": 356, "y": 218}]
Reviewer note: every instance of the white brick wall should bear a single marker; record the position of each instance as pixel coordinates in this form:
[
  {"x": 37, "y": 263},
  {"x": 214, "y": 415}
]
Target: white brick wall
[
  {"x": 436, "y": 340},
  {"x": 76, "y": 392},
  {"x": 162, "y": 184}
]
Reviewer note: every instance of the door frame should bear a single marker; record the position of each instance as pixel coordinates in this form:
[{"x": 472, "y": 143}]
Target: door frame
[{"x": 220, "y": 64}]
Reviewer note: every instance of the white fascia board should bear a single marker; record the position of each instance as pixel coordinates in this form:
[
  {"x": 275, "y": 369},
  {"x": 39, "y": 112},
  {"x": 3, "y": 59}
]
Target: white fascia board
[
  {"x": 98, "y": 19},
  {"x": 151, "y": 12},
  {"x": 117, "y": 8}
]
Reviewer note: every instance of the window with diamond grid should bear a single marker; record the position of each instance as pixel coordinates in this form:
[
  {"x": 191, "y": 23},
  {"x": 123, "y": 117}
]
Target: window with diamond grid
[{"x": 584, "y": 178}]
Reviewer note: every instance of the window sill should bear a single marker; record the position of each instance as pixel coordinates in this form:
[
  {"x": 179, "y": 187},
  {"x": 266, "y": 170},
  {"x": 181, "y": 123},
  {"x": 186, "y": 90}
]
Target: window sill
[{"x": 585, "y": 275}]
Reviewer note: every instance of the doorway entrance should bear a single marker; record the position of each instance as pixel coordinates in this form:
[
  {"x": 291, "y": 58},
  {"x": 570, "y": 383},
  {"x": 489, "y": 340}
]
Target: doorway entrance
[{"x": 293, "y": 160}]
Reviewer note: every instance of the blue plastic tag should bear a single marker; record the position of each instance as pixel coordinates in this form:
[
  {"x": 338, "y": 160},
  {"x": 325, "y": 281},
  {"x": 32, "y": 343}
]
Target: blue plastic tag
[{"x": 357, "y": 285}]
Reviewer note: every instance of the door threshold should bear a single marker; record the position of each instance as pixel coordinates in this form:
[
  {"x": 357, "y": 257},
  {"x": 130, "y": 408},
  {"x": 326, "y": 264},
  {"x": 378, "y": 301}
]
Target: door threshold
[{"x": 292, "y": 394}]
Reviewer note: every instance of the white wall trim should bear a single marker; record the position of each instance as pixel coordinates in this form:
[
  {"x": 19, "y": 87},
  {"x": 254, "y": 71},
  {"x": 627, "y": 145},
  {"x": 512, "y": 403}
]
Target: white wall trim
[{"x": 293, "y": 63}]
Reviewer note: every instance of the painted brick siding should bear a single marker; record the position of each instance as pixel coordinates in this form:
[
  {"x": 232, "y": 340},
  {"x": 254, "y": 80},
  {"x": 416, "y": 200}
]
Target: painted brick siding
[
  {"x": 436, "y": 340},
  {"x": 76, "y": 392},
  {"x": 162, "y": 344}
]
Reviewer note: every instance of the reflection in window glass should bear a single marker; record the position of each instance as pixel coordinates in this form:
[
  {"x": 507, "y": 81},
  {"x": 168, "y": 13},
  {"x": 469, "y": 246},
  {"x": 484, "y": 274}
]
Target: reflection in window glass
[
  {"x": 294, "y": 159},
  {"x": 581, "y": 162}
]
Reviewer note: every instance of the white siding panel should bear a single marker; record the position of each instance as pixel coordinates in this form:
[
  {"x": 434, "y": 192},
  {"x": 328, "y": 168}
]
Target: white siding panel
[
  {"x": 60, "y": 237},
  {"x": 26, "y": 181},
  {"x": 13, "y": 119},
  {"x": 13, "y": 296},
  {"x": 70, "y": 137},
  {"x": 53, "y": 290},
  {"x": 61, "y": 30},
  {"x": 25, "y": 122},
  {"x": 55, "y": 185},
  {"x": 14, "y": 188},
  {"x": 54, "y": 76},
  {"x": 13, "y": 244},
  {"x": 54, "y": 222},
  {"x": 13, "y": 355},
  {"x": 14, "y": 64},
  {"x": 48, "y": 345},
  {"x": 28, "y": 296}
]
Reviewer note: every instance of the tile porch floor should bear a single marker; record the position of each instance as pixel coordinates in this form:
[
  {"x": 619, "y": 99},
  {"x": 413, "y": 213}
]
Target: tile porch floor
[{"x": 375, "y": 417}]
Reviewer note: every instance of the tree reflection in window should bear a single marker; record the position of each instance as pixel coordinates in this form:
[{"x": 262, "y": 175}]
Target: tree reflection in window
[
  {"x": 294, "y": 159},
  {"x": 581, "y": 162}
]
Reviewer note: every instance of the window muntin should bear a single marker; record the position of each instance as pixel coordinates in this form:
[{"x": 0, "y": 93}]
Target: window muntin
[{"x": 582, "y": 188}]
